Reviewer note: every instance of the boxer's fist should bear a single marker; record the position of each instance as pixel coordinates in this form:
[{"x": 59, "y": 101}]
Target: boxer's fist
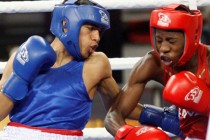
[
  {"x": 128, "y": 132},
  {"x": 166, "y": 118},
  {"x": 185, "y": 90},
  {"x": 32, "y": 56}
]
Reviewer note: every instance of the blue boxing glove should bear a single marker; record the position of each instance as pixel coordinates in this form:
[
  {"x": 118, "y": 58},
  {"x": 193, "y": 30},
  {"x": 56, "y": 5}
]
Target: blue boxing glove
[
  {"x": 165, "y": 118},
  {"x": 32, "y": 56}
]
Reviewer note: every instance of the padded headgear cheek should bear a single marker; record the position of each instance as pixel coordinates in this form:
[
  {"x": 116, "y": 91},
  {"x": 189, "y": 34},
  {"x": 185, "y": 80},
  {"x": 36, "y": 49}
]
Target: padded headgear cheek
[
  {"x": 153, "y": 40},
  {"x": 177, "y": 17},
  {"x": 56, "y": 23}
]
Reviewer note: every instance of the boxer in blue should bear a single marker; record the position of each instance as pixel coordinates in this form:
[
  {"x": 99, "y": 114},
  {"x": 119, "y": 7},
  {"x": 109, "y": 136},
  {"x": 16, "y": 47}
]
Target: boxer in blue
[{"x": 48, "y": 88}]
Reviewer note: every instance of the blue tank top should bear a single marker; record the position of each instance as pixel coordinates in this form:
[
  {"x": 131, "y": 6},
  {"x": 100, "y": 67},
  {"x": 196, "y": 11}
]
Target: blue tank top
[{"x": 57, "y": 99}]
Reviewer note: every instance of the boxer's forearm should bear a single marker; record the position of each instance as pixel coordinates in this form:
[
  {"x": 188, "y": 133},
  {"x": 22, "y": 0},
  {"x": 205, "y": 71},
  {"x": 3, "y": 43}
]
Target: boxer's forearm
[
  {"x": 6, "y": 106},
  {"x": 113, "y": 122}
]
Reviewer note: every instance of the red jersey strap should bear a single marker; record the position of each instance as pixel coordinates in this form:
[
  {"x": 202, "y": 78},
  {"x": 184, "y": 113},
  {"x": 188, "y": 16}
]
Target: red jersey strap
[
  {"x": 49, "y": 130},
  {"x": 203, "y": 71},
  {"x": 194, "y": 126},
  {"x": 168, "y": 72}
]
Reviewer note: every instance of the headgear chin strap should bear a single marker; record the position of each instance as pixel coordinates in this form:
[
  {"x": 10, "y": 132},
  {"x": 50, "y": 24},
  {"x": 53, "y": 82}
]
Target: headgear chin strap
[
  {"x": 75, "y": 16},
  {"x": 178, "y": 17}
]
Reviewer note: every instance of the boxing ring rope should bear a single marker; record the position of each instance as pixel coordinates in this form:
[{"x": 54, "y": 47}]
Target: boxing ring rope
[
  {"x": 47, "y": 5},
  {"x": 116, "y": 63}
]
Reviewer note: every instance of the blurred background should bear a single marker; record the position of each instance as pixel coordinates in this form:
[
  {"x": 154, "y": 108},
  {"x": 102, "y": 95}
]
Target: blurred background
[{"x": 128, "y": 37}]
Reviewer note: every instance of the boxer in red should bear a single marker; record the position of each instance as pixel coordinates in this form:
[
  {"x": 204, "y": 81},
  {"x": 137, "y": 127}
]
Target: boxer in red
[{"x": 178, "y": 61}]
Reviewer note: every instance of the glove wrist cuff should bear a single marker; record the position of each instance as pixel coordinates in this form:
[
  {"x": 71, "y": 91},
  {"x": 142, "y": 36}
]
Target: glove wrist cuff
[{"x": 15, "y": 88}]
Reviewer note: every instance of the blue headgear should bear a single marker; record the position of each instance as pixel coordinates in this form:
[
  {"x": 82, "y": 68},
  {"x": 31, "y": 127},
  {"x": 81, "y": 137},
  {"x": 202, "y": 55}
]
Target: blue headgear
[{"x": 76, "y": 16}]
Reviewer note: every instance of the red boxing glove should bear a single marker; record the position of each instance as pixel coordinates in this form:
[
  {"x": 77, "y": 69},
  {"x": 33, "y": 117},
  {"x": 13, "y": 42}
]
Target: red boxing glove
[
  {"x": 187, "y": 91},
  {"x": 128, "y": 132}
]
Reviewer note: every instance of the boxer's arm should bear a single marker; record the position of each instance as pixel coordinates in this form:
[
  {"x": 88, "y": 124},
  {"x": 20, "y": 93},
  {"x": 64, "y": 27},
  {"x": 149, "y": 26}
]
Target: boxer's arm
[
  {"x": 127, "y": 105},
  {"x": 6, "y": 104},
  {"x": 99, "y": 79},
  {"x": 124, "y": 106},
  {"x": 107, "y": 88},
  {"x": 115, "y": 119}
]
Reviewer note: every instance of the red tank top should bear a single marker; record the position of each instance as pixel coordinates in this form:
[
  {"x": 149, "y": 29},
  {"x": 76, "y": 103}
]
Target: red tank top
[{"x": 192, "y": 124}]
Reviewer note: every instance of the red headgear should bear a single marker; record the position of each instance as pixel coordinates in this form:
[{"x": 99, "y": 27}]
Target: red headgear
[{"x": 178, "y": 17}]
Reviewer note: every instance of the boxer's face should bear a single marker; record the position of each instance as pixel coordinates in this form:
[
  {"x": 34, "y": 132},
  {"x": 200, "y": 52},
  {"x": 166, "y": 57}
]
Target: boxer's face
[
  {"x": 89, "y": 39},
  {"x": 170, "y": 45}
]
